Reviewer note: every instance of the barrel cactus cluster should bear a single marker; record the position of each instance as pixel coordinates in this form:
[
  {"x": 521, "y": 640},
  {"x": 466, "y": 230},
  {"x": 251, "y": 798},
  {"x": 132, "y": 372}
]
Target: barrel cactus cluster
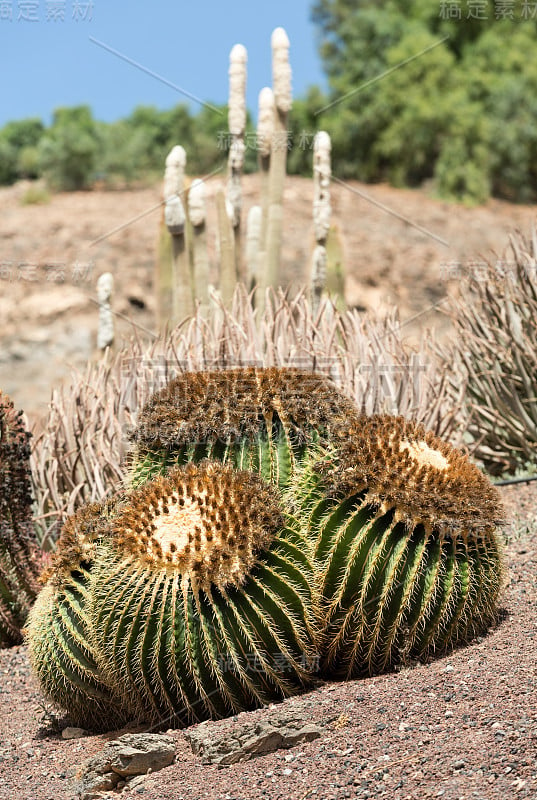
[{"x": 267, "y": 535}]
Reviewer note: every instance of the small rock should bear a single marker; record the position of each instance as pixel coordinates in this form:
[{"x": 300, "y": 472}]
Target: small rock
[
  {"x": 73, "y": 733},
  {"x": 222, "y": 744},
  {"x": 129, "y": 755},
  {"x": 136, "y": 781}
]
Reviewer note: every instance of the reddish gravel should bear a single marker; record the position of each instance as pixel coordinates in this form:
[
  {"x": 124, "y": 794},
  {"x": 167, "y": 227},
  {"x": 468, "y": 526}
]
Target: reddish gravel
[{"x": 459, "y": 728}]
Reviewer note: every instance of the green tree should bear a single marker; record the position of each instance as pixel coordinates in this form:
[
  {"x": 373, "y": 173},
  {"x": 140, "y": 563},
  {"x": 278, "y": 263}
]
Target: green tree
[
  {"x": 416, "y": 96},
  {"x": 18, "y": 149},
  {"x": 69, "y": 150}
]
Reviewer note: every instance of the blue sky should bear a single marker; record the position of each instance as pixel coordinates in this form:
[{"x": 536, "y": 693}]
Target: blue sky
[{"x": 47, "y": 63}]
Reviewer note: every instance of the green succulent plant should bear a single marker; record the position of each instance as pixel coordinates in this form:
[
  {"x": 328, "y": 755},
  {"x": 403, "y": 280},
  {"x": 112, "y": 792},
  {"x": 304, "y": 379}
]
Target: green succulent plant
[
  {"x": 407, "y": 556},
  {"x": 192, "y": 599},
  {"x": 268, "y": 534},
  {"x": 263, "y": 420},
  {"x": 201, "y": 600}
]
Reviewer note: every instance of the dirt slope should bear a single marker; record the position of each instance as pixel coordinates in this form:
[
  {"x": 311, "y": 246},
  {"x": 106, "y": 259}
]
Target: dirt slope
[{"x": 51, "y": 256}]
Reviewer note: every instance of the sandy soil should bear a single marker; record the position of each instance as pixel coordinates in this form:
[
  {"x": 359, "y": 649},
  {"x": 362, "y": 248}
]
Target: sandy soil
[
  {"x": 458, "y": 728},
  {"x": 51, "y": 256}
]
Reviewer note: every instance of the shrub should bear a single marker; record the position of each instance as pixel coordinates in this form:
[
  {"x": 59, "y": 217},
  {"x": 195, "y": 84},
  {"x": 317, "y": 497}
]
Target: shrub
[
  {"x": 20, "y": 557},
  {"x": 68, "y": 150}
]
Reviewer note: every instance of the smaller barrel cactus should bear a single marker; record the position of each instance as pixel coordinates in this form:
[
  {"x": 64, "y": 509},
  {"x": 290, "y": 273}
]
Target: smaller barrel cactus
[
  {"x": 257, "y": 419},
  {"x": 408, "y": 557},
  {"x": 59, "y": 629}
]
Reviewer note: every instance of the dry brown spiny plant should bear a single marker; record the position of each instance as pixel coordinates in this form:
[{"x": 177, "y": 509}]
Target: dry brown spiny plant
[
  {"x": 495, "y": 354},
  {"x": 20, "y": 555}
]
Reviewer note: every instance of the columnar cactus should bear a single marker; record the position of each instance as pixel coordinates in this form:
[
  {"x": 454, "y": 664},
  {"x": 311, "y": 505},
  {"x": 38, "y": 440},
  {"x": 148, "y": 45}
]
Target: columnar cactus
[
  {"x": 175, "y": 218},
  {"x": 197, "y": 214},
  {"x": 105, "y": 333},
  {"x": 226, "y": 240},
  {"x": 281, "y": 81},
  {"x": 237, "y": 125},
  {"x": 321, "y": 213},
  {"x": 253, "y": 245},
  {"x": 20, "y": 556},
  {"x": 265, "y": 133}
]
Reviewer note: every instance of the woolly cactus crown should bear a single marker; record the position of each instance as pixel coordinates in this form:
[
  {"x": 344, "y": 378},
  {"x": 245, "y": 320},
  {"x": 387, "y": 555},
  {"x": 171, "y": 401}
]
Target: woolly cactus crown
[
  {"x": 403, "y": 466},
  {"x": 205, "y": 520},
  {"x": 229, "y": 404}
]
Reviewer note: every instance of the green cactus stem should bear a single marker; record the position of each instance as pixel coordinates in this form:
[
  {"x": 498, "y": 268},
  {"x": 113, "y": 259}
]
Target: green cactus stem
[
  {"x": 200, "y": 256},
  {"x": 237, "y": 125},
  {"x": 281, "y": 78},
  {"x": 228, "y": 272}
]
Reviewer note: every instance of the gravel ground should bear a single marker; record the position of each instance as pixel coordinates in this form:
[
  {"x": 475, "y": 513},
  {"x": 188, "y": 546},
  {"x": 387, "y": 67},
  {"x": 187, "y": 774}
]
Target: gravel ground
[{"x": 461, "y": 727}]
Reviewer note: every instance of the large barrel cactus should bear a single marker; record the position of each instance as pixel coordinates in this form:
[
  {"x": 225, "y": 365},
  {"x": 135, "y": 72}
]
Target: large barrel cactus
[
  {"x": 201, "y": 601},
  {"x": 267, "y": 534},
  {"x": 191, "y": 599}
]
